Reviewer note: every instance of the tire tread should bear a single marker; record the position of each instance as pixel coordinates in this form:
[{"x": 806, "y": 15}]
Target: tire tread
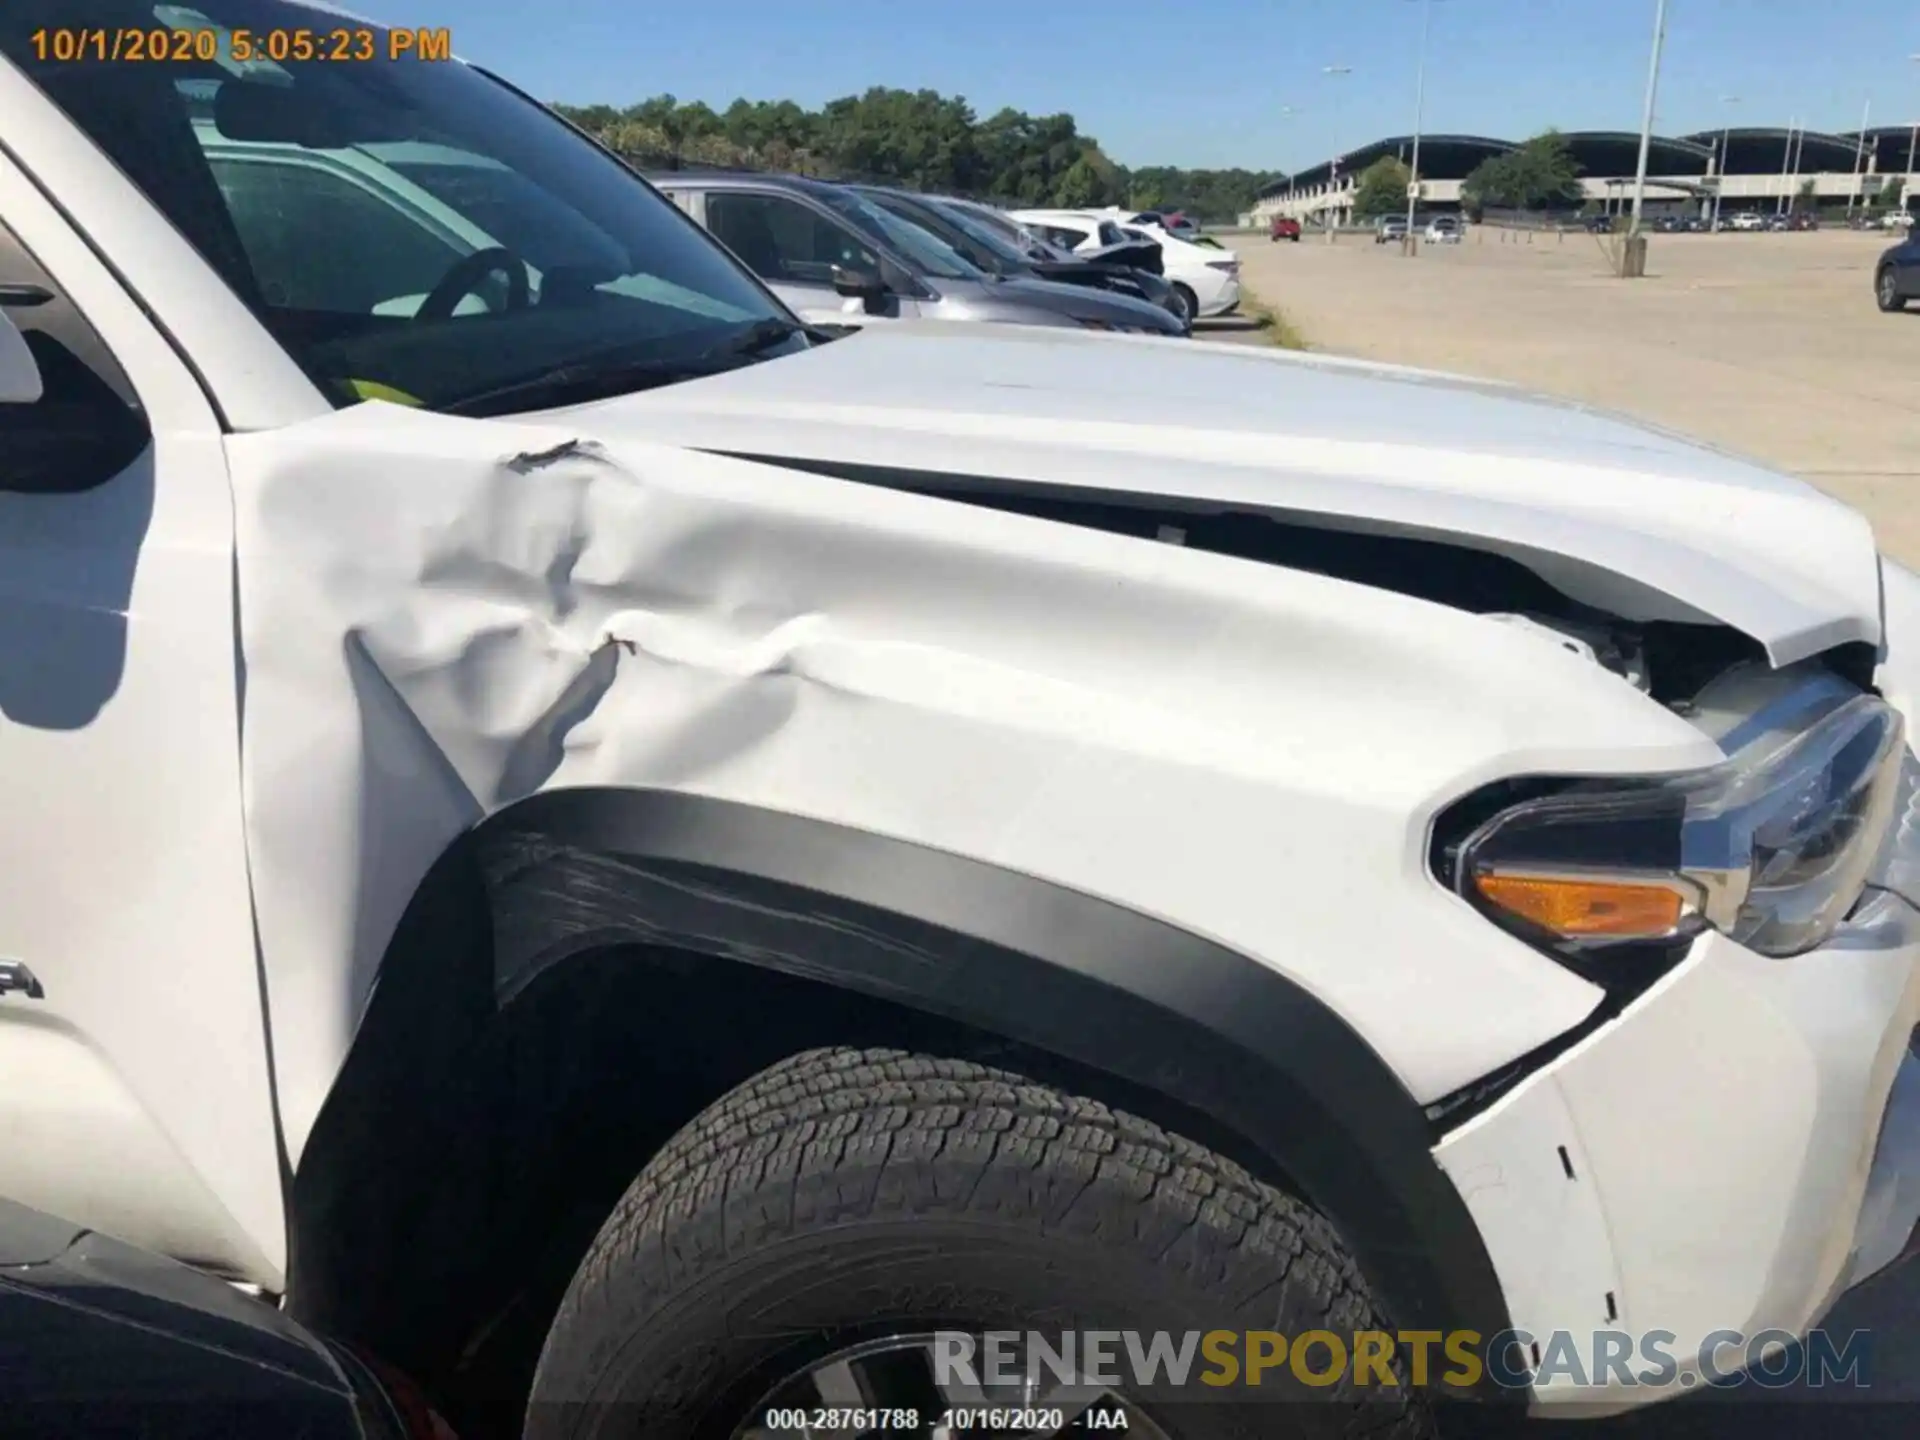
[{"x": 839, "y": 1135}]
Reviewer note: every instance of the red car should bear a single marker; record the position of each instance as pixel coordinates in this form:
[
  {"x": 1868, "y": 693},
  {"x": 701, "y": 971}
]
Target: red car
[{"x": 1284, "y": 228}]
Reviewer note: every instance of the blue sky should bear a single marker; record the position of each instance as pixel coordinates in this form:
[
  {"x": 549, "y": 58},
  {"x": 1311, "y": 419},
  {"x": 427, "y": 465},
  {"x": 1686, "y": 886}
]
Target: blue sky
[{"x": 1205, "y": 82}]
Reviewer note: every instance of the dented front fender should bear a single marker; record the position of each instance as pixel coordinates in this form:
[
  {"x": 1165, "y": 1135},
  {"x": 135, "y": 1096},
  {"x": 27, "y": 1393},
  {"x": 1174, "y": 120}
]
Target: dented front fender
[{"x": 440, "y": 616}]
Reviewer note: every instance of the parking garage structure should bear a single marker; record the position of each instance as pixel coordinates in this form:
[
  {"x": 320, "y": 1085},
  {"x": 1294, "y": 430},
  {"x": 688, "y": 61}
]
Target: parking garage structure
[{"x": 1737, "y": 167}]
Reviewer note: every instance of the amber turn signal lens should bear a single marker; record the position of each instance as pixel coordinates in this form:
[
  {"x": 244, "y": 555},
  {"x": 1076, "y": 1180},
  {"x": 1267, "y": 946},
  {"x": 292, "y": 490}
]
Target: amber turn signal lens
[{"x": 1602, "y": 909}]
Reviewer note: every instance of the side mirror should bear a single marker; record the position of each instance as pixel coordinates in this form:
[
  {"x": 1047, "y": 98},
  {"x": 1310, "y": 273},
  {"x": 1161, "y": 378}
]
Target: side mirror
[
  {"x": 19, "y": 371},
  {"x": 62, "y": 428},
  {"x": 857, "y": 282}
]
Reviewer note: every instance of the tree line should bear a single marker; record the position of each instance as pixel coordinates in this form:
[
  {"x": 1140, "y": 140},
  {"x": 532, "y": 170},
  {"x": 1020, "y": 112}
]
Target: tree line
[{"x": 918, "y": 139}]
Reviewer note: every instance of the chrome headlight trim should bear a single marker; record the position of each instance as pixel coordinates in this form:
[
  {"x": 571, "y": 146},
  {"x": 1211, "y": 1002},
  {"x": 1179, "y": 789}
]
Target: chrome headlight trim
[{"x": 1774, "y": 846}]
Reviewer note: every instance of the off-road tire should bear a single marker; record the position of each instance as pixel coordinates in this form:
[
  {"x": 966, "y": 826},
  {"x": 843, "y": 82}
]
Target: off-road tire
[{"x": 844, "y": 1194}]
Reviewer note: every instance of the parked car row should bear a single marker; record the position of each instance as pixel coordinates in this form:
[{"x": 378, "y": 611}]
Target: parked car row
[
  {"x": 1754, "y": 221},
  {"x": 1448, "y": 229},
  {"x": 998, "y": 245},
  {"x": 1894, "y": 219},
  {"x": 856, "y": 254},
  {"x": 1129, "y": 266},
  {"x": 1438, "y": 229},
  {"x": 1205, "y": 277}
]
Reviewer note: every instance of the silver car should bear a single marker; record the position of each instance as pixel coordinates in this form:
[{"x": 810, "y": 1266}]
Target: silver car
[{"x": 835, "y": 257}]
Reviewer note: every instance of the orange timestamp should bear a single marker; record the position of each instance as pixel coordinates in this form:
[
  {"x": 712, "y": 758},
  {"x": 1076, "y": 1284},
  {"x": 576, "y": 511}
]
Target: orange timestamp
[{"x": 163, "y": 44}]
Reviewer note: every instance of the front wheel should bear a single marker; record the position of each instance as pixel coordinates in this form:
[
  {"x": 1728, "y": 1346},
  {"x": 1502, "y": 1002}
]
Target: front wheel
[
  {"x": 1886, "y": 290},
  {"x": 829, "y": 1244}
]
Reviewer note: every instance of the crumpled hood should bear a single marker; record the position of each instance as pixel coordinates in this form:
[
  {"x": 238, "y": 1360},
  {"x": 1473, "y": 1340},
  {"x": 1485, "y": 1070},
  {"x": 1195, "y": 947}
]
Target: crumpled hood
[{"x": 1640, "y": 522}]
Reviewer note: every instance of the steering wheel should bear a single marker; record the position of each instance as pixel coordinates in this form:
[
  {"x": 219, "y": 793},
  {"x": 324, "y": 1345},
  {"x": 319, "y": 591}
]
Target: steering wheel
[{"x": 469, "y": 271}]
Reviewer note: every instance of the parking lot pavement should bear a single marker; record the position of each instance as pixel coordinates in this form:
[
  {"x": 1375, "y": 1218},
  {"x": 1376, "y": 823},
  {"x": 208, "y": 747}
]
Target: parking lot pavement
[
  {"x": 1886, "y": 1407},
  {"x": 1768, "y": 345}
]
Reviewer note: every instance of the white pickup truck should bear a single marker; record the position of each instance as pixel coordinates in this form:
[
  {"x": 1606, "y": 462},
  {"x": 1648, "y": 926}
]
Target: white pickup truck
[{"x": 629, "y": 860}]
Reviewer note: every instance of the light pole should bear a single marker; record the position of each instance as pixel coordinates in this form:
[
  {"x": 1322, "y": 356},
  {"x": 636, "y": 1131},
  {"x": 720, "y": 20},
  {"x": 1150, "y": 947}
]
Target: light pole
[
  {"x": 1333, "y": 167},
  {"x": 1287, "y": 112},
  {"x": 1913, "y": 146},
  {"x": 1793, "y": 181},
  {"x": 1786, "y": 159},
  {"x": 1859, "y": 155},
  {"x": 1720, "y": 181},
  {"x": 1409, "y": 245},
  {"x": 1646, "y": 137}
]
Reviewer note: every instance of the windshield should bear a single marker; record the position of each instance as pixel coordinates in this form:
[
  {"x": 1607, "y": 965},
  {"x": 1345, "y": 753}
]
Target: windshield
[
  {"x": 944, "y": 226},
  {"x": 924, "y": 251},
  {"x": 406, "y": 228},
  {"x": 1000, "y": 223},
  {"x": 994, "y": 220},
  {"x": 985, "y": 236}
]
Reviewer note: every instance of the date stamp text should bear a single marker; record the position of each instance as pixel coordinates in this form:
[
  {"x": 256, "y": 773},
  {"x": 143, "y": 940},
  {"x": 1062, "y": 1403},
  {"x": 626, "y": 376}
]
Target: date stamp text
[{"x": 164, "y": 45}]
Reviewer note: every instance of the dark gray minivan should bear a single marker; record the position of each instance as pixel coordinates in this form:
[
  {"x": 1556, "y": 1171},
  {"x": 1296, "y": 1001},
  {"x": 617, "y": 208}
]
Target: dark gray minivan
[{"x": 835, "y": 257}]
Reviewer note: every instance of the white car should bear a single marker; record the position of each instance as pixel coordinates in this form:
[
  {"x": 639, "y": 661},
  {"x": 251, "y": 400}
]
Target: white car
[
  {"x": 1747, "y": 220},
  {"x": 1206, "y": 277},
  {"x": 534, "y": 831},
  {"x": 1444, "y": 230},
  {"x": 1181, "y": 227}
]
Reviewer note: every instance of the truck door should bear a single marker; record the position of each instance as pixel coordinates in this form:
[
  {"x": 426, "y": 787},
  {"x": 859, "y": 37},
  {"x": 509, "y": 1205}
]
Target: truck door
[{"x": 135, "y": 1096}]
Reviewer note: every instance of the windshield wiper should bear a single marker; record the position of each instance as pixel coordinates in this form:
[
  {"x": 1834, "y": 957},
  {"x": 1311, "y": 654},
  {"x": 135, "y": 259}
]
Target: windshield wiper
[
  {"x": 761, "y": 336},
  {"x": 575, "y": 384},
  {"x": 602, "y": 377}
]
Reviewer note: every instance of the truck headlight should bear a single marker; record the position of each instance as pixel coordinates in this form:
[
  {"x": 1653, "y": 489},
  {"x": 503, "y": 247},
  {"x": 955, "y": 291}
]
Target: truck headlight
[{"x": 1773, "y": 847}]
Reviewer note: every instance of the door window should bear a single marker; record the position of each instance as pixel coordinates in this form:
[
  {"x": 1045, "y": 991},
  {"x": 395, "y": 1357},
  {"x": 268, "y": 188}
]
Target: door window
[
  {"x": 782, "y": 240},
  {"x": 87, "y": 425}
]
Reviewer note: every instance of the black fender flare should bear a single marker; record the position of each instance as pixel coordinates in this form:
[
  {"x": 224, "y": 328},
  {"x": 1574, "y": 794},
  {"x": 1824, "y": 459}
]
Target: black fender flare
[{"x": 1101, "y": 986}]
